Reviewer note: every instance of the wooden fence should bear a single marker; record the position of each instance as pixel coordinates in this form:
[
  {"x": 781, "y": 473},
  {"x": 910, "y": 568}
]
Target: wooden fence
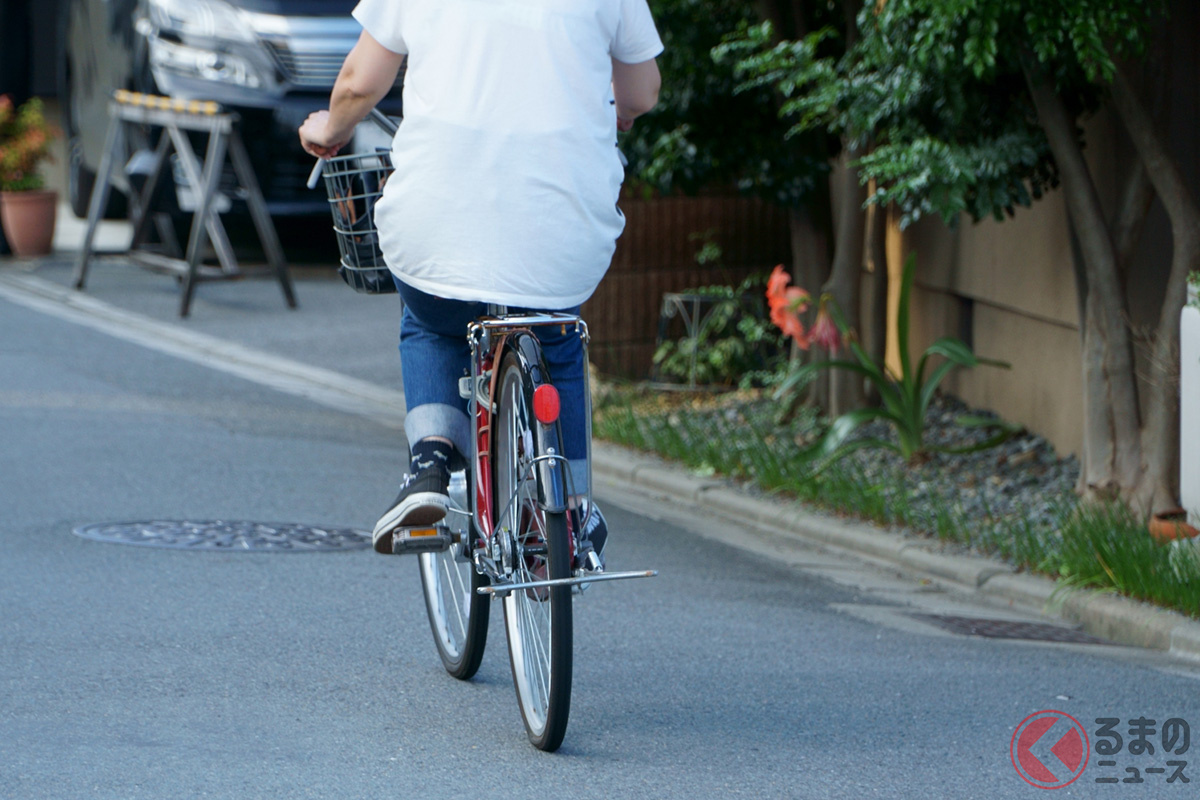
[{"x": 657, "y": 254}]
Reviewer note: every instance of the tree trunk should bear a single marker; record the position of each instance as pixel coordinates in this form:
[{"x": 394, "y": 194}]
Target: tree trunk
[
  {"x": 846, "y": 390},
  {"x": 1128, "y": 222},
  {"x": 1098, "y": 456},
  {"x": 810, "y": 249},
  {"x": 850, "y": 9},
  {"x": 1112, "y": 450},
  {"x": 1160, "y": 435},
  {"x": 875, "y": 328},
  {"x": 1130, "y": 218},
  {"x": 833, "y": 393},
  {"x": 786, "y": 16}
]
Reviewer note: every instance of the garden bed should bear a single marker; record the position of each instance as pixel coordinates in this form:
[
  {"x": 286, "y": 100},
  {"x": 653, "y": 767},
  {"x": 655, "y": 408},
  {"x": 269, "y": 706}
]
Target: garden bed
[{"x": 1015, "y": 501}]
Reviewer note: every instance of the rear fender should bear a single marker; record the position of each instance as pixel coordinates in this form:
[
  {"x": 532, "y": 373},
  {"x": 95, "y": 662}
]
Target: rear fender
[{"x": 547, "y": 439}]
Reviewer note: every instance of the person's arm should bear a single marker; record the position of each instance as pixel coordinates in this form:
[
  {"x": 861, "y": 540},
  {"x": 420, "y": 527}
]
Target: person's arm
[
  {"x": 635, "y": 88},
  {"x": 366, "y": 76}
]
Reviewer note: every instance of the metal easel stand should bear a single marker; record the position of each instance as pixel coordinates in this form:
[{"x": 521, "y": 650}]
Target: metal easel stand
[{"x": 130, "y": 112}]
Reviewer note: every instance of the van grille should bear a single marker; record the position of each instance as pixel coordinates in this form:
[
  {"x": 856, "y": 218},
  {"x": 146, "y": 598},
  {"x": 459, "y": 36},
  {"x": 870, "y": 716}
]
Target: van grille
[
  {"x": 307, "y": 70},
  {"x": 311, "y": 69}
]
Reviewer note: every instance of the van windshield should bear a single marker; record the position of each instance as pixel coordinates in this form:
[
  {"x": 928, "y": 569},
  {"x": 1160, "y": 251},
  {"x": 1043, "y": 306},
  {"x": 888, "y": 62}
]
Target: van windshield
[{"x": 305, "y": 8}]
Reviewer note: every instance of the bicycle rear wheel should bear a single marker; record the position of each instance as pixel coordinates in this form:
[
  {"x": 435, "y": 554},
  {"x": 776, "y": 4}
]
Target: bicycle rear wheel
[
  {"x": 458, "y": 615},
  {"x": 538, "y": 621}
]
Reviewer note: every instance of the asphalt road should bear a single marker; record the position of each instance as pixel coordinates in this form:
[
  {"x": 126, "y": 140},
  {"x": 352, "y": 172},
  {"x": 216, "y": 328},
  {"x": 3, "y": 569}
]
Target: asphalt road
[{"x": 748, "y": 668}]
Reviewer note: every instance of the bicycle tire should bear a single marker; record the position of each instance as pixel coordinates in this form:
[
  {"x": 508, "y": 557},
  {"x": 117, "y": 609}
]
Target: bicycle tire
[
  {"x": 538, "y": 622},
  {"x": 458, "y": 615}
]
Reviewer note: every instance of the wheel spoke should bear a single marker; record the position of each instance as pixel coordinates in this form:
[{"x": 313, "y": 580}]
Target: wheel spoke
[
  {"x": 538, "y": 644},
  {"x": 536, "y": 621},
  {"x": 536, "y": 655},
  {"x": 453, "y": 592}
]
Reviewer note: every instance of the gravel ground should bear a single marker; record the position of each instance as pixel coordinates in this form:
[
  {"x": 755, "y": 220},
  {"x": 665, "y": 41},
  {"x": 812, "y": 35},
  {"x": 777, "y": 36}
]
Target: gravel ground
[{"x": 1021, "y": 480}]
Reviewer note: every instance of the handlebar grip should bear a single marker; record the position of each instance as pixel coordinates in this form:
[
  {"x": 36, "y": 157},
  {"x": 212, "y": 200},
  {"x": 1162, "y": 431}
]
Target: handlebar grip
[{"x": 315, "y": 175}]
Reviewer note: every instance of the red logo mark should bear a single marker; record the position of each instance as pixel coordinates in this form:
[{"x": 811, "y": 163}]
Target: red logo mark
[{"x": 1054, "y": 761}]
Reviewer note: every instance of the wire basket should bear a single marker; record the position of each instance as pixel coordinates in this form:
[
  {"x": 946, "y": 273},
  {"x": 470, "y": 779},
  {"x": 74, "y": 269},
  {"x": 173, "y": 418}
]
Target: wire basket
[{"x": 354, "y": 183}]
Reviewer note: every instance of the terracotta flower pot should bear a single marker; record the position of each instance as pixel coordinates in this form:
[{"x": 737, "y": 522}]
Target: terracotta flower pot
[
  {"x": 28, "y": 219},
  {"x": 1169, "y": 525}
]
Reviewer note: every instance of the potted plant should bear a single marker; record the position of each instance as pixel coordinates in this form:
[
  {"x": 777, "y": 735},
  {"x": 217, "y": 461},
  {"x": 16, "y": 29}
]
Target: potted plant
[{"x": 27, "y": 211}]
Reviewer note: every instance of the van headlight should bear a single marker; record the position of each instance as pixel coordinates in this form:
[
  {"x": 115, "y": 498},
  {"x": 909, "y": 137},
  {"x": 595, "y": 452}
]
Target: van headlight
[
  {"x": 204, "y": 64},
  {"x": 204, "y": 40},
  {"x": 201, "y": 19}
]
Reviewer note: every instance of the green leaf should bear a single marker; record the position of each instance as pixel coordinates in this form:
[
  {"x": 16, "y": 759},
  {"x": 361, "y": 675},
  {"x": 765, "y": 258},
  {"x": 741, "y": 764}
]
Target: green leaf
[
  {"x": 954, "y": 350},
  {"x": 929, "y": 388},
  {"x": 831, "y": 444}
]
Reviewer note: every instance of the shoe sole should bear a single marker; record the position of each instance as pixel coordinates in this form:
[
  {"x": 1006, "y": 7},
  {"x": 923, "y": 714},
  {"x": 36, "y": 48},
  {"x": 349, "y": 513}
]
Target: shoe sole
[{"x": 423, "y": 508}]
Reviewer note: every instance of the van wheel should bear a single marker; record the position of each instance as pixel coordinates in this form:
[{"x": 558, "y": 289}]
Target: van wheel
[{"x": 81, "y": 181}]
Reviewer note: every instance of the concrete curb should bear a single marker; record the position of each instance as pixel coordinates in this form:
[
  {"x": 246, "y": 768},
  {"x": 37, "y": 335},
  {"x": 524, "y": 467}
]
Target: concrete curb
[
  {"x": 1031, "y": 591},
  {"x": 1117, "y": 619}
]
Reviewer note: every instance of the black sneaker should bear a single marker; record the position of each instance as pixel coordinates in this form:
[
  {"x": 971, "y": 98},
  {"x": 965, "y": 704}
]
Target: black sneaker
[
  {"x": 423, "y": 500},
  {"x": 593, "y": 536}
]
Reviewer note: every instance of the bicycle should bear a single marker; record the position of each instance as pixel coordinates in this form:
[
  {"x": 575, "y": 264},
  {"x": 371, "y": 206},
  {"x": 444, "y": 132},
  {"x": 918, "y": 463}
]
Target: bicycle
[{"x": 509, "y": 532}]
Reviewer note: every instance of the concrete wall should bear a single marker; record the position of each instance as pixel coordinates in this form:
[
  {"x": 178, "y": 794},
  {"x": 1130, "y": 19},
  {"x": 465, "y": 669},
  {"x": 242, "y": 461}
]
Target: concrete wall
[{"x": 1009, "y": 288}]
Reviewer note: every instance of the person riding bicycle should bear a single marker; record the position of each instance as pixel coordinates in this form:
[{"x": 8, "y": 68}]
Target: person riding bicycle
[{"x": 505, "y": 191}]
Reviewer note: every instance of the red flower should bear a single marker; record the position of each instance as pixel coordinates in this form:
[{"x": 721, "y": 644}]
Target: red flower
[
  {"x": 824, "y": 330},
  {"x": 786, "y": 304}
]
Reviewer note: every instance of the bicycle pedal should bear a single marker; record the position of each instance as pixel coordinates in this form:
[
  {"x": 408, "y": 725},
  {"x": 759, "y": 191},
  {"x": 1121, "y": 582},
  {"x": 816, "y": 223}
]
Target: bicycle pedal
[{"x": 421, "y": 539}]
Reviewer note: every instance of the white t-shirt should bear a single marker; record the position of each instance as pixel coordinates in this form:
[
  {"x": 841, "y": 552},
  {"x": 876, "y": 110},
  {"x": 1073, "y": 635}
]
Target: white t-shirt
[{"x": 507, "y": 172}]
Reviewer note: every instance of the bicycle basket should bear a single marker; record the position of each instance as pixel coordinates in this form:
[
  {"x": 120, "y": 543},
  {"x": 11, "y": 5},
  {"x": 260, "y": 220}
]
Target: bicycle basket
[{"x": 354, "y": 183}]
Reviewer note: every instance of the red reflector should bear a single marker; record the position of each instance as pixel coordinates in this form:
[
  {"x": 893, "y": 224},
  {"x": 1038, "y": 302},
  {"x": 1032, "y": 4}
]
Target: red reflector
[{"x": 546, "y": 404}]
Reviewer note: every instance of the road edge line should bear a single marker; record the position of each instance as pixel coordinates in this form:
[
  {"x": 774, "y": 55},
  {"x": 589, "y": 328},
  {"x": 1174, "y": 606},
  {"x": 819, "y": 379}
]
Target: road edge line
[{"x": 325, "y": 387}]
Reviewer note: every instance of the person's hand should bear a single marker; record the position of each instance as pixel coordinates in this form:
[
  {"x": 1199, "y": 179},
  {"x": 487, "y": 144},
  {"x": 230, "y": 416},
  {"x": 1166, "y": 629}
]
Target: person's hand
[
  {"x": 314, "y": 138},
  {"x": 624, "y": 124}
]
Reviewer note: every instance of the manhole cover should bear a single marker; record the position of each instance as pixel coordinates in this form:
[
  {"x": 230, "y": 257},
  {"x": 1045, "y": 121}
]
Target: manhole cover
[
  {"x": 227, "y": 536},
  {"x": 1008, "y": 629}
]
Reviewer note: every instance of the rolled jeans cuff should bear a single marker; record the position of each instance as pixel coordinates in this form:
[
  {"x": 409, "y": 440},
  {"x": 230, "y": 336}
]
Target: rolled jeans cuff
[
  {"x": 439, "y": 419},
  {"x": 448, "y": 422}
]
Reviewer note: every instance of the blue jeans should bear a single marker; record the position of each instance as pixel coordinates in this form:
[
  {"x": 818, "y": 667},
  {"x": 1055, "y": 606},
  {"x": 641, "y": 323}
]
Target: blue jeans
[{"x": 434, "y": 354}]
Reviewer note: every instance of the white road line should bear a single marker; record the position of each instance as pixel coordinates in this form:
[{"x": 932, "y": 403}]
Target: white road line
[{"x": 326, "y": 387}]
